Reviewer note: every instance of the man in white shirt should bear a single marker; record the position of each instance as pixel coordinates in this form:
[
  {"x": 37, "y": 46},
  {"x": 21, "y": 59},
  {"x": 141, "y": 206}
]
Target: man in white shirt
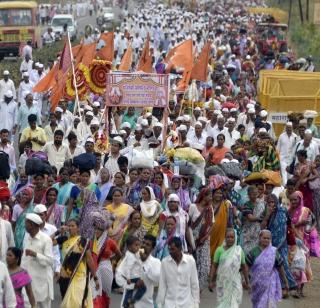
[
  {"x": 6, "y": 147},
  {"x": 38, "y": 260},
  {"x": 307, "y": 144},
  {"x": 179, "y": 284},
  {"x": 150, "y": 273},
  {"x": 35, "y": 78},
  {"x": 111, "y": 160},
  {"x": 138, "y": 141},
  {"x": 57, "y": 152},
  {"x": 6, "y": 237},
  {"x": 83, "y": 128},
  {"x": 219, "y": 128},
  {"x": 285, "y": 146},
  {"x": 49, "y": 229},
  {"x": 26, "y": 64},
  {"x": 198, "y": 136},
  {"x": 7, "y": 294},
  {"x": 231, "y": 134},
  {"x": 7, "y": 84},
  {"x": 25, "y": 88},
  {"x": 8, "y": 112},
  {"x": 27, "y": 49}
]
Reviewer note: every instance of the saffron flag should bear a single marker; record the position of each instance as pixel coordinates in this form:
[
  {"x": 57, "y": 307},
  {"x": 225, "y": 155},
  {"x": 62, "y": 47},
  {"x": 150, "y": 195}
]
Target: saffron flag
[
  {"x": 107, "y": 51},
  {"x": 48, "y": 81},
  {"x": 65, "y": 57},
  {"x": 145, "y": 62},
  {"x": 200, "y": 68},
  {"x": 126, "y": 60},
  {"x": 180, "y": 56}
]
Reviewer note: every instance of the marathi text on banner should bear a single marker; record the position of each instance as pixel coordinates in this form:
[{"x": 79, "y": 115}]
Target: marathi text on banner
[{"x": 137, "y": 90}]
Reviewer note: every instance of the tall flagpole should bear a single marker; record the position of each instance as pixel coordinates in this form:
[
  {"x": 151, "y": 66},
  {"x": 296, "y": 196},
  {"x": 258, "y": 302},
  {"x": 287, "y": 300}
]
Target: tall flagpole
[{"x": 74, "y": 77}]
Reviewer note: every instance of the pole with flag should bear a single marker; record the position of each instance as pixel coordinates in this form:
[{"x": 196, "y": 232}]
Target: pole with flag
[{"x": 74, "y": 76}]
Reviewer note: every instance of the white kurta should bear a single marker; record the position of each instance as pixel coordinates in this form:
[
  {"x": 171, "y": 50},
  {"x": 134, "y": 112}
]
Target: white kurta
[
  {"x": 24, "y": 89},
  {"x": 8, "y": 113},
  {"x": 7, "y": 294},
  {"x": 40, "y": 267},
  {"x": 6, "y": 239},
  {"x": 178, "y": 285},
  {"x": 6, "y": 86}
]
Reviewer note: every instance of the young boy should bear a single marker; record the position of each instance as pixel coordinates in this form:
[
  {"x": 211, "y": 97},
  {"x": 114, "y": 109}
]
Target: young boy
[{"x": 129, "y": 273}]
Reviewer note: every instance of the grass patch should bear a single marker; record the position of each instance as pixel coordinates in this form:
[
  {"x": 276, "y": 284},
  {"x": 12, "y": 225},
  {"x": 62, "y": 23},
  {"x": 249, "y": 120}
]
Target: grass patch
[{"x": 303, "y": 38}]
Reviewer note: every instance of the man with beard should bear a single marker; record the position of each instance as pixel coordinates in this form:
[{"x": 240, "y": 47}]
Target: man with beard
[
  {"x": 57, "y": 152},
  {"x": 6, "y": 147}
]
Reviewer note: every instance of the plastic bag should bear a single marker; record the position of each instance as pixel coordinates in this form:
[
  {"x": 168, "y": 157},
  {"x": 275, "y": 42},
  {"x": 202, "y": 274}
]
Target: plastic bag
[
  {"x": 190, "y": 155},
  {"x": 141, "y": 159}
]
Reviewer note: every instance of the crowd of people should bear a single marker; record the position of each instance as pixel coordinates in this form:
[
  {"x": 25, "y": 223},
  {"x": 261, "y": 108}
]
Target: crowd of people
[{"x": 214, "y": 200}]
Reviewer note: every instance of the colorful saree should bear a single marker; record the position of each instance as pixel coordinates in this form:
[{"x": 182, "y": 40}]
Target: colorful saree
[
  {"x": 278, "y": 226},
  {"x": 20, "y": 228},
  {"x": 219, "y": 228},
  {"x": 264, "y": 277},
  {"x": 19, "y": 281},
  {"x": 303, "y": 222},
  {"x": 229, "y": 283},
  {"x": 63, "y": 192},
  {"x": 74, "y": 275}
]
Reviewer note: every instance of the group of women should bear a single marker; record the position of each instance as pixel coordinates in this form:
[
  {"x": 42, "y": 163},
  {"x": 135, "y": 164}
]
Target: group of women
[{"x": 274, "y": 240}]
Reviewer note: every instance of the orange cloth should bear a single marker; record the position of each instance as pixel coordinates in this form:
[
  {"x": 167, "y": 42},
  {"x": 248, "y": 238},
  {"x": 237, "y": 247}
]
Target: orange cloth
[
  {"x": 218, "y": 154},
  {"x": 145, "y": 62},
  {"x": 47, "y": 81},
  {"x": 200, "y": 69},
  {"x": 106, "y": 52},
  {"x": 219, "y": 228},
  {"x": 126, "y": 60}
]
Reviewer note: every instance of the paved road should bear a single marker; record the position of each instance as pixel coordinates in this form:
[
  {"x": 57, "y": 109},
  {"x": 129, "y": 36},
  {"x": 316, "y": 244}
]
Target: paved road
[{"x": 208, "y": 300}]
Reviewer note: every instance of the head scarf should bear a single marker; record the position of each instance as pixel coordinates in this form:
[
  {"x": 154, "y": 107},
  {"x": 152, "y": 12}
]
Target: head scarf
[
  {"x": 149, "y": 208},
  {"x": 101, "y": 218},
  {"x": 29, "y": 192},
  {"x": 295, "y": 213}
]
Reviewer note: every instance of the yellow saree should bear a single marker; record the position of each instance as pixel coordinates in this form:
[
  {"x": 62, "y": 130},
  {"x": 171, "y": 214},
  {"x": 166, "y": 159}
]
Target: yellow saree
[{"x": 219, "y": 227}]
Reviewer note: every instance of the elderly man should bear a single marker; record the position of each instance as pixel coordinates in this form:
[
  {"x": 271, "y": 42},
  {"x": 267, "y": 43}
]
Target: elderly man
[
  {"x": 198, "y": 136},
  {"x": 83, "y": 128},
  {"x": 231, "y": 134},
  {"x": 285, "y": 146},
  {"x": 24, "y": 111},
  {"x": 111, "y": 160},
  {"x": 38, "y": 260},
  {"x": 7, "y": 84},
  {"x": 179, "y": 285},
  {"x": 25, "y": 88},
  {"x": 49, "y": 229},
  {"x": 8, "y": 111}
]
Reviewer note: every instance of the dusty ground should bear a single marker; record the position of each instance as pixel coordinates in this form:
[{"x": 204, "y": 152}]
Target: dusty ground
[{"x": 312, "y": 289}]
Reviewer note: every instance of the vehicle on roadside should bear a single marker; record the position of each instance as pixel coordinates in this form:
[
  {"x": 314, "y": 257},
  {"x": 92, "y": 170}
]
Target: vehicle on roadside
[
  {"x": 18, "y": 24},
  {"x": 105, "y": 16},
  {"x": 61, "y": 23}
]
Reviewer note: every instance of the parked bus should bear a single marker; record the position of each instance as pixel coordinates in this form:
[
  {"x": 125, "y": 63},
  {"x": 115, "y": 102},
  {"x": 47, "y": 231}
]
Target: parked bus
[{"x": 18, "y": 24}]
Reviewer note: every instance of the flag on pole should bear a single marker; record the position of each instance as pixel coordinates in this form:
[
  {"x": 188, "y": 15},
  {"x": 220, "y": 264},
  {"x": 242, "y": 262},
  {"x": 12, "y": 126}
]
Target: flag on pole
[
  {"x": 145, "y": 62},
  {"x": 200, "y": 68},
  {"x": 126, "y": 60},
  {"x": 180, "y": 56},
  {"x": 48, "y": 81},
  {"x": 107, "y": 51},
  {"x": 65, "y": 57}
]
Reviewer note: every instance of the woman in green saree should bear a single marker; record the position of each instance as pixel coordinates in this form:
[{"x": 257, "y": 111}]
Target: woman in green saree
[{"x": 20, "y": 211}]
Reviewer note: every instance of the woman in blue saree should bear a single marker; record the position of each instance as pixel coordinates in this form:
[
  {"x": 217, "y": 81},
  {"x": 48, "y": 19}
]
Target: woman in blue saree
[
  {"x": 277, "y": 222},
  {"x": 64, "y": 187}
]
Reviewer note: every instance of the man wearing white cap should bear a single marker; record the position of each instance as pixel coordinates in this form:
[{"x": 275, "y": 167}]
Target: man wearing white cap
[
  {"x": 25, "y": 87},
  {"x": 198, "y": 136},
  {"x": 308, "y": 144},
  {"x": 157, "y": 131},
  {"x": 231, "y": 134},
  {"x": 96, "y": 110},
  {"x": 285, "y": 147},
  {"x": 138, "y": 141},
  {"x": 38, "y": 260},
  {"x": 7, "y": 84},
  {"x": 35, "y": 78},
  {"x": 263, "y": 116},
  {"x": 49, "y": 229},
  {"x": 26, "y": 64},
  {"x": 83, "y": 128},
  {"x": 8, "y": 111}
]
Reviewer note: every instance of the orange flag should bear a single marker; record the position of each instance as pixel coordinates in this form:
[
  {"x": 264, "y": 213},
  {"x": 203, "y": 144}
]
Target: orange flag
[
  {"x": 47, "y": 81},
  {"x": 88, "y": 54},
  {"x": 106, "y": 52},
  {"x": 126, "y": 60},
  {"x": 180, "y": 56},
  {"x": 184, "y": 82},
  {"x": 200, "y": 68},
  {"x": 145, "y": 62}
]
